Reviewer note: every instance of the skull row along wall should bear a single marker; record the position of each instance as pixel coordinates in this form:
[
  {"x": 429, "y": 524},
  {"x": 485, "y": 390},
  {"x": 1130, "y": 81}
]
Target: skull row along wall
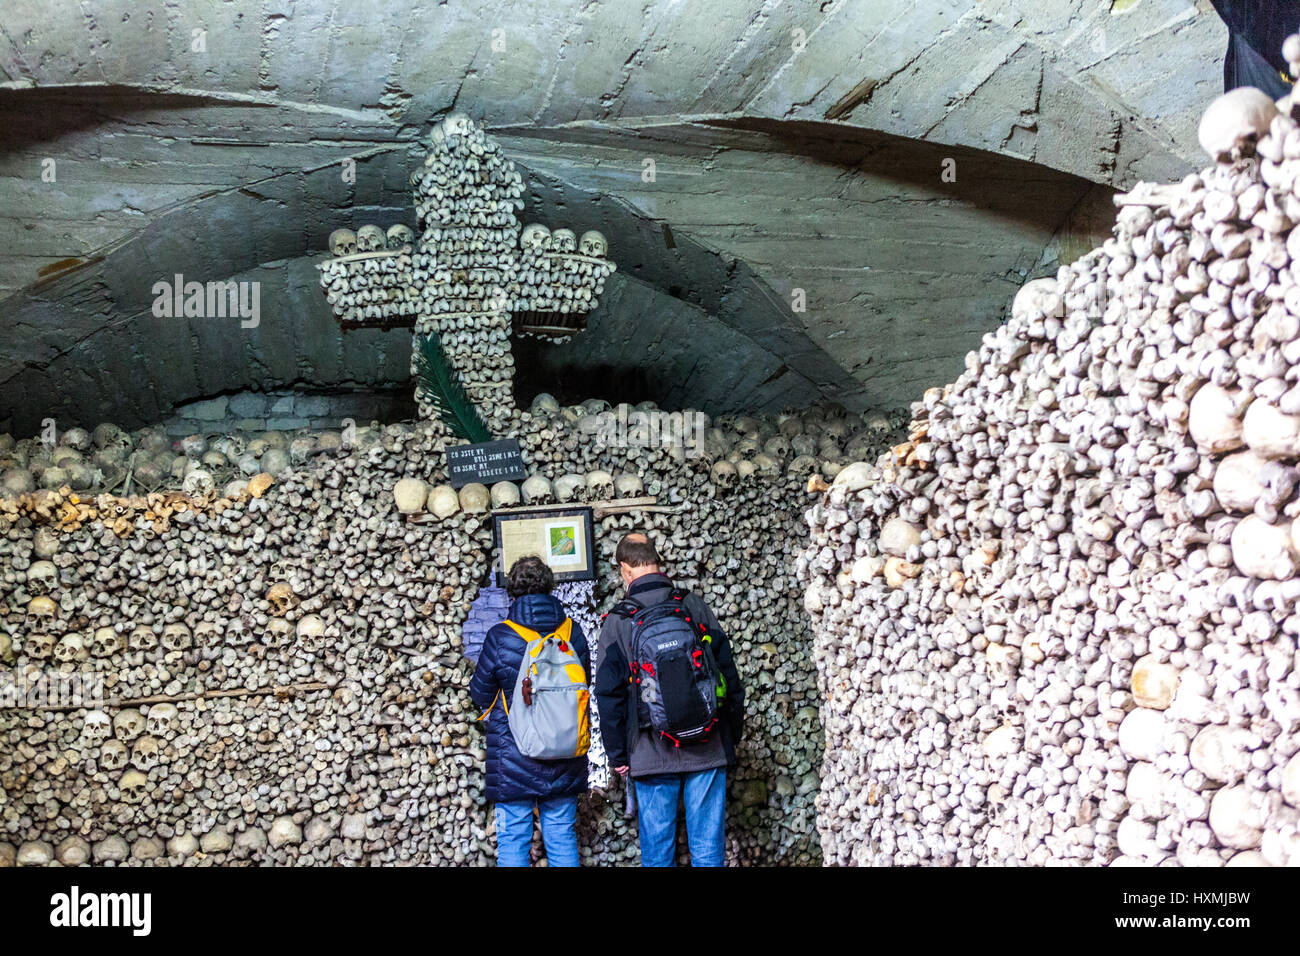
[{"x": 320, "y": 586}]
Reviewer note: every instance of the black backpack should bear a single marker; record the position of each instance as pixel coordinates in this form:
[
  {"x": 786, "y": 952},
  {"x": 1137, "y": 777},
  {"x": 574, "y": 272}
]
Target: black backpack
[{"x": 678, "y": 686}]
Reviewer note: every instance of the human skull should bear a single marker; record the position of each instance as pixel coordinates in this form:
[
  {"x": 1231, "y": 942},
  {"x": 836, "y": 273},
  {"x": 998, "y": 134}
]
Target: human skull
[
  {"x": 207, "y": 634},
  {"x": 802, "y": 466},
  {"x": 177, "y": 637},
  {"x": 39, "y": 646},
  {"x": 128, "y": 724},
  {"x": 145, "y": 754},
  {"x": 628, "y": 486},
  {"x": 410, "y": 495},
  {"x": 600, "y": 485},
  {"x": 42, "y": 615},
  {"x": 570, "y": 488},
  {"x": 6, "y": 649},
  {"x": 310, "y": 630},
  {"x": 198, "y": 483},
  {"x": 162, "y": 719},
  {"x": 142, "y": 638},
  {"x": 42, "y": 578},
  {"x": 724, "y": 475},
  {"x": 96, "y": 727},
  {"x": 371, "y": 238},
  {"x": 564, "y": 240},
  {"x": 457, "y": 124},
  {"x": 343, "y": 242},
  {"x": 133, "y": 786},
  {"x": 535, "y": 238},
  {"x": 474, "y": 498},
  {"x": 504, "y": 494},
  {"x": 400, "y": 235},
  {"x": 746, "y": 469},
  {"x": 278, "y": 633},
  {"x": 537, "y": 490},
  {"x": 443, "y": 501},
  {"x": 77, "y": 438},
  {"x": 281, "y": 597},
  {"x": 593, "y": 244},
  {"x": 113, "y": 755},
  {"x": 1233, "y": 123},
  {"x": 106, "y": 642},
  {"x": 71, "y": 649},
  {"x": 544, "y": 404}
]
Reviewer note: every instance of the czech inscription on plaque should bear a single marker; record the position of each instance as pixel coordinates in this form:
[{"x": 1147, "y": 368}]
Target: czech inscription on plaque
[{"x": 486, "y": 463}]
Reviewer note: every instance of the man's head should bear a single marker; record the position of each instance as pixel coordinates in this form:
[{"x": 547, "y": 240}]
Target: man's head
[
  {"x": 636, "y": 556},
  {"x": 529, "y": 575}
]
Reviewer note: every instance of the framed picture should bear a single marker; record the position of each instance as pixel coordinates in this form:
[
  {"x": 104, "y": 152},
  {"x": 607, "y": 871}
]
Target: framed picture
[{"x": 562, "y": 537}]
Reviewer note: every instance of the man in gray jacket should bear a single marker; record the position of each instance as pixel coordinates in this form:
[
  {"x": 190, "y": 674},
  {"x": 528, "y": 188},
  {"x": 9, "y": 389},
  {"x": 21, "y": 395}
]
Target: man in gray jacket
[{"x": 661, "y": 771}]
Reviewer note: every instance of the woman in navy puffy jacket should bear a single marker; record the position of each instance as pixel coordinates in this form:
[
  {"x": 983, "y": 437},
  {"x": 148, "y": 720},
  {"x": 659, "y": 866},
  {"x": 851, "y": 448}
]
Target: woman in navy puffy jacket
[{"x": 515, "y": 783}]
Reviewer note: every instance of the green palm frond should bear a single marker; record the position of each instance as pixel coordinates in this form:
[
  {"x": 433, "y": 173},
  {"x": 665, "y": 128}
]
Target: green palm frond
[{"x": 441, "y": 387}]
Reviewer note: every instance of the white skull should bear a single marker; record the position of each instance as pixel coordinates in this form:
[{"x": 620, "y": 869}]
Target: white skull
[
  {"x": 778, "y": 447},
  {"x": 537, "y": 490},
  {"x": 128, "y": 725},
  {"x": 766, "y": 464},
  {"x": 1235, "y": 121},
  {"x": 535, "y": 238},
  {"x": 142, "y": 639},
  {"x": 133, "y": 786},
  {"x": 278, "y": 633},
  {"x": 371, "y": 238},
  {"x": 70, "y": 649},
  {"x": 106, "y": 642},
  {"x": 746, "y": 469},
  {"x": 145, "y": 754},
  {"x": 570, "y": 487},
  {"x": 177, "y": 637},
  {"x": 544, "y": 404},
  {"x": 443, "y": 501},
  {"x": 724, "y": 475},
  {"x": 628, "y": 486},
  {"x": 311, "y": 629},
  {"x": 410, "y": 495},
  {"x": 77, "y": 438},
  {"x": 113, "y": 755},
  {"x": 162, "y": 719},
  {"x": 504, "y": 494},
  {"x": 600, "y": 486},
  {"x": 457, "y": 124},
  {"x": 42, "y": 615},
  {"x": 564, "y": 240},
  {"x": 343, "y": 242},
  {"x": 96, "y": 727},
  {"x": 198, "y": 483},
  {"x": 474, "y": 498},
  {"x": 39, "y": 646},
  {"x": 593, "y": 244},
  {"x": 42, "y": 578},
  {"x": 400, "y": 235},
  {"x": 207, "y": 634}
]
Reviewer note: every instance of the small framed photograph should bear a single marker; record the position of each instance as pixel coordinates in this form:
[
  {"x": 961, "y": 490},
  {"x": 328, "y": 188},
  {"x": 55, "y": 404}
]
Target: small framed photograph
[{"x": 562, "y": 537}]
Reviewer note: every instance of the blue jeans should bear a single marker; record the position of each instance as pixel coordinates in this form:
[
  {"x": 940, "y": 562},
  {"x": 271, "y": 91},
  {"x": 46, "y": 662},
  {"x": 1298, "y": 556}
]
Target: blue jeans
[
  {"x": 515, "y": 831},
  {"x": 706, "y": 814}
]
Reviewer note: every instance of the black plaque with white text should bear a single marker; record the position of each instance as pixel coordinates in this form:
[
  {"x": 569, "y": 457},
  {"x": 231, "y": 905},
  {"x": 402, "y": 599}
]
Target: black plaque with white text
[{"x": 487, "y": 463}]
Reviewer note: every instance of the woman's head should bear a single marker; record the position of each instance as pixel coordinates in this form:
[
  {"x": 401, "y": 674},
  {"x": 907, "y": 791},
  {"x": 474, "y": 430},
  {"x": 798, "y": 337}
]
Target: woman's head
[{"x": 529, "y": 575}]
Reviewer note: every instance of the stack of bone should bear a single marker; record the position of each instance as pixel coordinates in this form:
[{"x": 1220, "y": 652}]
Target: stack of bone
[
  {"x": 283, "y": 670},
  {"x": 560, "y": 275},
  {"x": 466, "y": 196},
  {"x": 369, "y": 278},
  {"x": 1058, "y": 624}
]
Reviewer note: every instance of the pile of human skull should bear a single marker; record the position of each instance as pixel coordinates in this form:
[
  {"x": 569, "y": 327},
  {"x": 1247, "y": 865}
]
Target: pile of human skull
[
  {"x": 369, "y": 278},
  {"x": 109, "y": 459},
  {"x": 295, "y": 658},
  {"x": 1058, "y": 624},
  {"x": 560, "y": 273}
]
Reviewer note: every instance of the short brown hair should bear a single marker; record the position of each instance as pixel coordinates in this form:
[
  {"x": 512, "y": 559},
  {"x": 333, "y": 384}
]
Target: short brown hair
[
  {"x": 636, "y": 551},
  {"x": 529, "y": 575}
]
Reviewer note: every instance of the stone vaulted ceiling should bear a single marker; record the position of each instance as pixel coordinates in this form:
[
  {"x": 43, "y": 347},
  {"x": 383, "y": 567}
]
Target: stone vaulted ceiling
[{"x": 797, "y": 146}]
